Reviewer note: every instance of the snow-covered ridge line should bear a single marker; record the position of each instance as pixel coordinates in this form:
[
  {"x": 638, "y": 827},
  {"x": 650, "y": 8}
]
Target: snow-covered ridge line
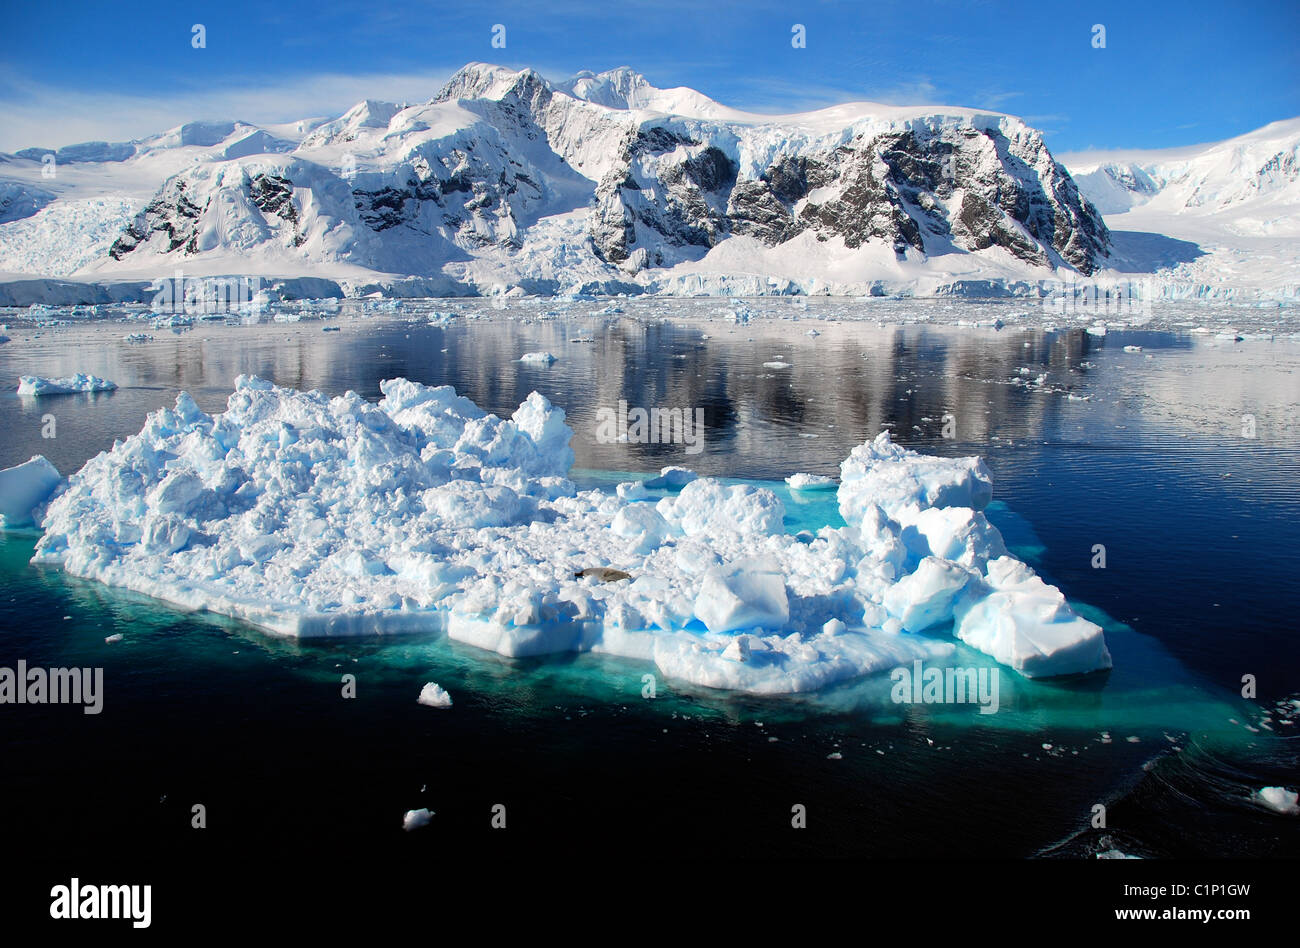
[
  {"x": 310, "y": 516},
  {"x": 506, "y": 180}
]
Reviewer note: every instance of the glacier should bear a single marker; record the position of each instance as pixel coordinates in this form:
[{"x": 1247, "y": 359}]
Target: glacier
[{"x": 308, "y": 515}]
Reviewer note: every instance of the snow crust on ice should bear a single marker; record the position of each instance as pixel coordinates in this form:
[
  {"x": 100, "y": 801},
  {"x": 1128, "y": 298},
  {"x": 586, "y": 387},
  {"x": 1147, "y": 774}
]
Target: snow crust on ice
[
  {"x": 24, "y": 488},
  {"x": 315, "y": 516},
  {"x": 38, "y": 385}
]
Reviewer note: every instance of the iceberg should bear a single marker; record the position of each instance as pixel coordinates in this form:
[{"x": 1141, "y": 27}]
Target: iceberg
[
  {"x": 24, "y": 488},
  {"x": 73, "y": 384},
  {"x": 308, "y": 515}
]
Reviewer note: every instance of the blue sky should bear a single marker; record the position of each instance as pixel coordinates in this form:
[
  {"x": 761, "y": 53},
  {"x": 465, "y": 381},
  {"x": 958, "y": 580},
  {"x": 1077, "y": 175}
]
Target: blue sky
[{"x": 1171, "y": 73}]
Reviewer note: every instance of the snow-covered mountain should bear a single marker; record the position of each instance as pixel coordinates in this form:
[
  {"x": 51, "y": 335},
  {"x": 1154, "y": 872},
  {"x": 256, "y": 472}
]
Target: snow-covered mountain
[
  {"x": 1228, "y": 213},
  {"x": 504, "y": 180},
  {"x": 1261, "y": 166}
]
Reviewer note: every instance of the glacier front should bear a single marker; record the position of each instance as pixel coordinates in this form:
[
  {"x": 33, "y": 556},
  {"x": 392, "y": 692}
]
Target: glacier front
[{"x": 315, "y": 516}]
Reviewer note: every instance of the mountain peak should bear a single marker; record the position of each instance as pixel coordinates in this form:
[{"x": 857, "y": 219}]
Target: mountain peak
[
  {"x": 621, "y": 88},
  {"x": 488, "y": 81}
]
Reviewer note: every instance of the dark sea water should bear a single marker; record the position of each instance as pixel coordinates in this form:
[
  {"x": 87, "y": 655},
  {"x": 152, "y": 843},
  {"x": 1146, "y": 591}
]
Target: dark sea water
[{"x": 1199, "y": 523}]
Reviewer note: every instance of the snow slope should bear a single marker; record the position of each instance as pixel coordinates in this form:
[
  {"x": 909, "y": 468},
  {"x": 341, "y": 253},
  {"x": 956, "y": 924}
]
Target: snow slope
[
  {"x": 601, "y": 183},
  {"x": 1212, "y": 220}
]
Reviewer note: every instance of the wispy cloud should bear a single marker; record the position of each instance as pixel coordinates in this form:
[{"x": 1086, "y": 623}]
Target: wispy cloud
[{"x": 46, "y": 115}]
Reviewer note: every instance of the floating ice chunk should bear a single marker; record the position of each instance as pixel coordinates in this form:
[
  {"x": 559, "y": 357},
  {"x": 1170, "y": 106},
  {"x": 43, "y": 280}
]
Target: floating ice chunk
[
  {"x": 1132, "y": 348},
  {"x": 810, "y": 482},
  {"x": 24, "y": 488},
  {"x": 414, "y": 819},
  {"x": 671, "y": 478},
  {"x": 113, "y": 639},
  {"x": 744, "y": 595},
  {"x": 541, "y": 357},
  {"x": 433, "y": 695},
  {"x": 925, "y": 598},
  {"x": 71, "y": 385},
  {"x": 706, "y": 506},
  {"x": 1027, "y": 624},
  {"x": 888, "y": 475},
  {"x": 1280, "y": 799},
  {"x": 777, "y": 365}
]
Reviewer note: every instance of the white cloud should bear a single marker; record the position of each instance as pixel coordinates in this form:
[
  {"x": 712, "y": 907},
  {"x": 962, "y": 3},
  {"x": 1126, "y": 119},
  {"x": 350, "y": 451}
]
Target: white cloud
[{"x": 49, "y": 116}]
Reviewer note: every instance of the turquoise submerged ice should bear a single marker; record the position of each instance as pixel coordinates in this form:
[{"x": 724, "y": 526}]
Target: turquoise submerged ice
[{"x": 313, "y": 516}]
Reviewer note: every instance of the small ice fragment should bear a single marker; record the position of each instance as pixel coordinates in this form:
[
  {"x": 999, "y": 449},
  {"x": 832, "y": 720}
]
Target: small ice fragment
[
  {"x": 1280, "y": 799},
  {"x": 25, "y": 487},
  {"x": 433, "y": 695},
  {"x": 414, "y": 819},
  {"x": 672, "y": 478},
  {"x": 776, "y": 365},
  {"x": 540, "y": 357},
  {"x": 115, "y": 637},
  {"x": 810, "y": 482}
]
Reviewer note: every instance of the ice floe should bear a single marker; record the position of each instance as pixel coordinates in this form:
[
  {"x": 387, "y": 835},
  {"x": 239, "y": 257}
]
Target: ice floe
[
  {"x": 37, "y": 385},
  {"x": 315, "y": 516}
]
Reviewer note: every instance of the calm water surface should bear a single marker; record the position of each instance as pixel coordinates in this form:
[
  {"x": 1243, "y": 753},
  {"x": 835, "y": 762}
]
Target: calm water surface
[{"x": 1147, "y": 458}]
